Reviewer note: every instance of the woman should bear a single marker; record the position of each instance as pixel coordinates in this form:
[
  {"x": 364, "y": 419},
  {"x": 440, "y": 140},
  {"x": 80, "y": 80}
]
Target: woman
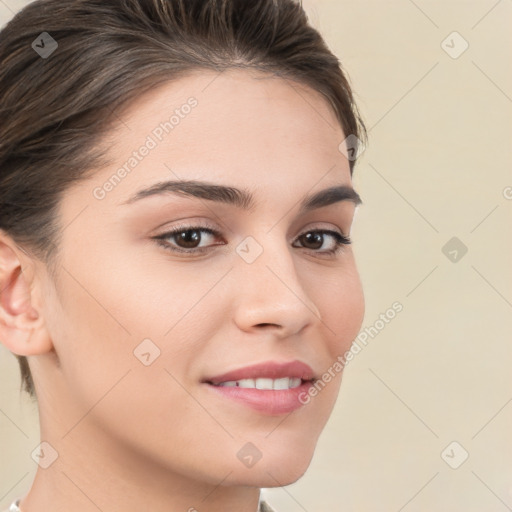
[{"x": 177, "y": 280}]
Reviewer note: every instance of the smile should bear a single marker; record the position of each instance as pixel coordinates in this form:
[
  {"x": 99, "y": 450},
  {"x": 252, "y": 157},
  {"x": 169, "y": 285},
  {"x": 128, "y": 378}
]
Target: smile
[{"x": 263, "y": 383}]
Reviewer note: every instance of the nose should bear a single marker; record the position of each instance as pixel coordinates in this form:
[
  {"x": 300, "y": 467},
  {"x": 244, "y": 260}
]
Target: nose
[{"x": 270, "y": 295}]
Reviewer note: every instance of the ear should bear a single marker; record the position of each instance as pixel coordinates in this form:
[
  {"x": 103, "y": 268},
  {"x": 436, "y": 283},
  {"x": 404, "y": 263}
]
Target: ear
[{"x": 22, "y": 326}]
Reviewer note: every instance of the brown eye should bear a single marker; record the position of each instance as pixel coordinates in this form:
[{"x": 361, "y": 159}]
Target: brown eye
[
  {"x": 187, "y": 239},
  {"x": 314, "y": 240}
]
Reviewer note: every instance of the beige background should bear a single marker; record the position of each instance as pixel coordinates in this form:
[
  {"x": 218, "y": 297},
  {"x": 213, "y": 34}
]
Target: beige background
[{"x": 438, "y": 166}]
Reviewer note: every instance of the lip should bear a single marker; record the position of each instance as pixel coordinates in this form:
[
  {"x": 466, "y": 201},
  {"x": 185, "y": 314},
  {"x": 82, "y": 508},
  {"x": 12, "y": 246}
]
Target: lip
[
  {"x": 265, "y": 401},
  {"x": 266, "y": 370}
]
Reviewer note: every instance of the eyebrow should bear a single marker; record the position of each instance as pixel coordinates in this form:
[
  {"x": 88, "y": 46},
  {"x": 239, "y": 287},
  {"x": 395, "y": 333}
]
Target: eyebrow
[{"x": 242, "y": 198}]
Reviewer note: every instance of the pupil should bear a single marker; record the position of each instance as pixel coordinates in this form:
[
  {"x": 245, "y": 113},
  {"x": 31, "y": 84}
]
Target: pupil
[
  {"x": 190, "y": 237},
  {"x": 315, "y": 238}
]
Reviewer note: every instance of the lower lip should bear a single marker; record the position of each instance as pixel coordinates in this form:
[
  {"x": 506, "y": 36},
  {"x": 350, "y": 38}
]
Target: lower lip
[{"x": 267, "y": 401}]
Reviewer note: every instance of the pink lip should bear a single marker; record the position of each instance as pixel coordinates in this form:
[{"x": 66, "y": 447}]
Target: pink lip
[
  {"x": 266, "y": 401},
  {"x": 268, "y": 370}
]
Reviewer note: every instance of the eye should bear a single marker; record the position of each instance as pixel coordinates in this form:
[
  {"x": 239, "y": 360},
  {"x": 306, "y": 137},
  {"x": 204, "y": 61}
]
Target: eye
[
  {"x": 188, "y": 240},
  {"x": 315, "y": 239}
]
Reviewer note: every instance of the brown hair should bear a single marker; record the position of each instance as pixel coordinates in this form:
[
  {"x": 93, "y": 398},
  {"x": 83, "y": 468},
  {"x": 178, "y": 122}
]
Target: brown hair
[{"x": 55, "y": 107}]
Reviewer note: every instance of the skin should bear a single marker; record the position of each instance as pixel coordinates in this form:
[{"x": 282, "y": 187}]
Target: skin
[{"x": 132, "y": 437}]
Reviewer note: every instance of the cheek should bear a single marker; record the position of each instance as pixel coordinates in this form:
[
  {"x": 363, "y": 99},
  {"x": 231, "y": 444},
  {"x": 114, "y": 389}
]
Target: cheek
[
  {"x": 118, "y": 370},
  {"x": 340, "y": 301},
  {"x": 128, "y": 317}
]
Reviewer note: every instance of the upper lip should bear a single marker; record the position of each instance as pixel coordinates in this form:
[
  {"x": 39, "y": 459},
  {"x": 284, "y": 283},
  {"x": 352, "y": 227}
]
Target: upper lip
[{"x": 269, "y": 370}]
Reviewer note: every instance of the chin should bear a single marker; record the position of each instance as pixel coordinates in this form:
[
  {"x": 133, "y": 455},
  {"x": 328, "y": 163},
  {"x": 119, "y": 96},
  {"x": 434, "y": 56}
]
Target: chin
[
  {"x": 274, "y": 472},
  {"x": 286, "y": 474}
]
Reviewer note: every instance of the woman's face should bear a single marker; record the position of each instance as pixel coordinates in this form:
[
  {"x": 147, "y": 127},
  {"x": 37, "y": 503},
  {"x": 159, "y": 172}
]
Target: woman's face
[{"x": 141, "y": 327}]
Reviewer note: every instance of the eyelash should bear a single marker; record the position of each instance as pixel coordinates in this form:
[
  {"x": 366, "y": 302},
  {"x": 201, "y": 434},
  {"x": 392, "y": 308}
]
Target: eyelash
[{"x": 340, "y": 239}]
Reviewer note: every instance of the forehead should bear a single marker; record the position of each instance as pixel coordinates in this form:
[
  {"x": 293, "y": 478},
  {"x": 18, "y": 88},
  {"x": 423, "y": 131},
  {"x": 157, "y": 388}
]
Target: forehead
[
  {"x": 235, "y": 127},
  {"x": 246, "y": 105},
  {"x": 233, "y": 91}
]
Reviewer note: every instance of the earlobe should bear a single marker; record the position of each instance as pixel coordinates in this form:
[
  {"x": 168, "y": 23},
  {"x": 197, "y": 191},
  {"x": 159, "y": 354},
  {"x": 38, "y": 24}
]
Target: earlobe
[{"x": 22, "y": 327}]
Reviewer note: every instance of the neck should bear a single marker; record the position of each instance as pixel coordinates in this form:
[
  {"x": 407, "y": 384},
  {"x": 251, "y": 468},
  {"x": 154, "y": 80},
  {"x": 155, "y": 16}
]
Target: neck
[{"x": 93, "y": 472}]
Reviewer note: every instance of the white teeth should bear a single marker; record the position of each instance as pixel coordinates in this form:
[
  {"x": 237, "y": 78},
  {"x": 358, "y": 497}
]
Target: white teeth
[
  {"x": 264, "y": 384},
  {"x": 246, "y": 383},
  {"x": 295, "y": 382},
  {"x": 283, "y": 383}
]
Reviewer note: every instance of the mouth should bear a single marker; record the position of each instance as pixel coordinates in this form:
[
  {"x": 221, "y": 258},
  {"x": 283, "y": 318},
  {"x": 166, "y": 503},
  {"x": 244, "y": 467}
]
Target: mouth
[
  {"x": 269, "y": 388},
  {"x": 263, "y": 383}
]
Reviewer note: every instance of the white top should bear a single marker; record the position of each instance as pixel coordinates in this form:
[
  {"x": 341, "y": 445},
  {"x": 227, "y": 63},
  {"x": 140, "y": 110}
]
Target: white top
[{"x": 14, "y": 506}]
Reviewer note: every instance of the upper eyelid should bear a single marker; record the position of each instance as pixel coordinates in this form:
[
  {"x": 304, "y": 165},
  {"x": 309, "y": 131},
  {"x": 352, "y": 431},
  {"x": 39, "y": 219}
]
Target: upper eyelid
[
  {"x": 218, "y": 232},
  {"x": 188, "y": 227},
  {"x": 342, "y": 238}
]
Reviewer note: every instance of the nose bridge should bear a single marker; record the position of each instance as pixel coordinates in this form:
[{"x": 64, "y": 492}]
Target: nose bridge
[{"x": 270, "y": 289}]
